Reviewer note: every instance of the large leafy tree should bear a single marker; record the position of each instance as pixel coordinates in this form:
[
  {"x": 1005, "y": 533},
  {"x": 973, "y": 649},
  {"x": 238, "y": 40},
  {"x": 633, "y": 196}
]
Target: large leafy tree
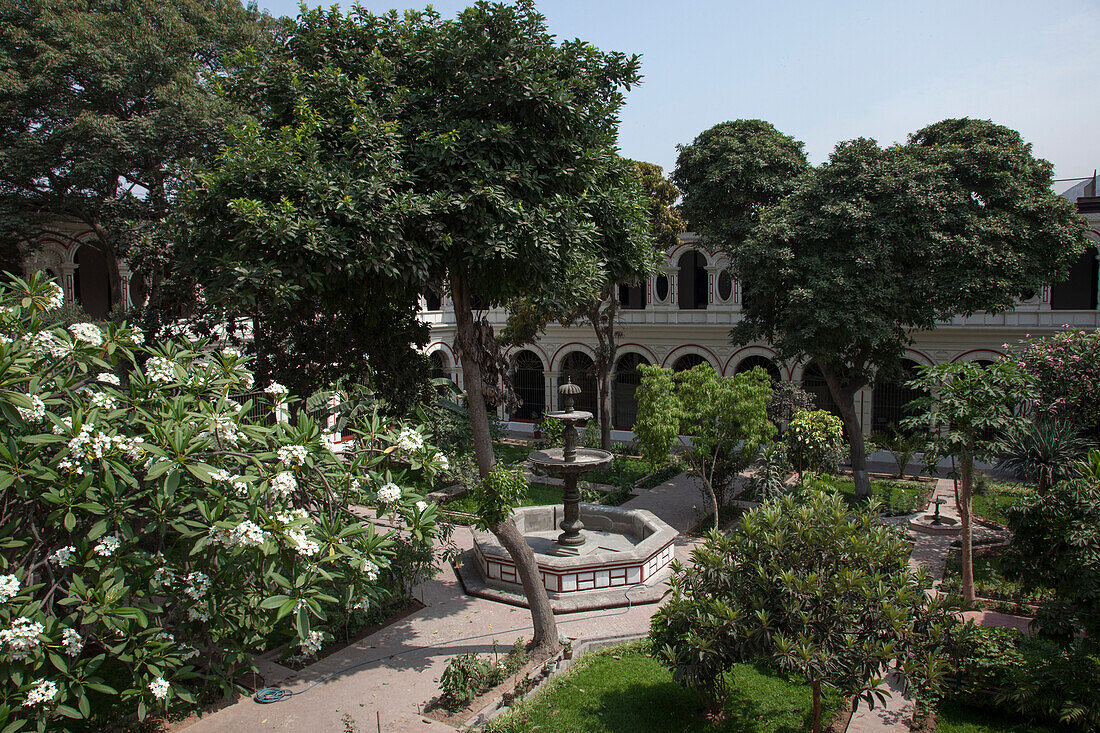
[
  {"x": 879, "y": 242},
  {"x": 823, "y": 593},
  {"x": 101, "y": 99}
]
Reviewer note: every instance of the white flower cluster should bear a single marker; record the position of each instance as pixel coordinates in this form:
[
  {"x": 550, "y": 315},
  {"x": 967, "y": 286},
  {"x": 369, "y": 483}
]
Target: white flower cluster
[
  {"x": 294, "y": 515},
  {"x": 389, "y": 493},
  {"x": 55, "y": 297},
  {"x": 363, "y": 604},
  {"x": 276, "y": 390},
  {"x": 62, "y": 556},
  {"x": 248, "y": 534},
  {"x": 409, "y": 440},
  {"x": 36, "y": 412},
  {"x": 89, "y": 333},
  {"x": 159, "y": 369},
  {"x": 282, "y": 484},
  {"x": 42, "y": 693},
  {"x": 9, "y": 587},
  {"x": 108, "y": 378},
  {"x": 44, "y": 342},
  {"x": 225, "y": 429},
  {"x": 22, "y": 638},
  {"x": 103, "y": 401},
  {"x": 137, "y": 336},
  {"x": 196, "y": 585},
  {"x": 292, "y": 455},
  {"x": 441, "y": 463},
  {"x": 302, "y": 544},
  {"x": 369, "y": 569},
  {"x": 72, "y": 642},
  {"x": 421, "y": 506},
  {"x": 162, "y": 577},
  {"x": 159, "y": 688},
  {"x": 134, "y": 448},
  {"x": 230, "y": 353},
  {"x": 108, "y": 545},
  {"x": 312, "y": 644},
  {"x": 196, "y": 613},
  {"x": 65, "y": 426}
]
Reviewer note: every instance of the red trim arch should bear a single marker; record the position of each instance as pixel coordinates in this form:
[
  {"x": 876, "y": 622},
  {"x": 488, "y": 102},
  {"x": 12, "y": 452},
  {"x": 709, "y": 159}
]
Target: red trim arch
[
  {"x": 782, "y": 367},
  {"x": 646, "y": 351},
  {"x": 714, "y": 361},
  {"x": 443, "y": 345},
  {"x": 536, "y": 348},
  {"x": 990, "y": 352},
  {"x": 911, "y": 352},
  {"x": 675, "y": 253},
  {"x": 555, "y": 362}
]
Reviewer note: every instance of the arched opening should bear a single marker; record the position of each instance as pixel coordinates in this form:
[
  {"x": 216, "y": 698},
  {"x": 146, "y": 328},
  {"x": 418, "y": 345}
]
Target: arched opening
[
  {"x": 529, "y": 382},
  {"x": 751, "y": 362},
  {"x": 632, "y": 297},
  {"x": 891, "y": 396},
  {"x": 693, "y": 281},
  {"x": 579, "y": 367},
  {"x": 813, "y": 381},
  {"x": 660, "y": 285},
  {"x": 91, "y": 283},
  {"x": 725, "y": 285},
  {"x": 1078, "y": 292},
  {"x": 624, "y": 384},
  {"x": 433, "y": 300},
  {"x": 439, "y": 365},
  {"x": 688, "y": 361}
]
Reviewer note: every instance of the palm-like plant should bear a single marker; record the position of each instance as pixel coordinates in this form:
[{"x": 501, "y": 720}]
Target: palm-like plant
[{"x": 1044, "y": 451}]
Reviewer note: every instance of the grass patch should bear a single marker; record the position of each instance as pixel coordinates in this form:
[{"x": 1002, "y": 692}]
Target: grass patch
[
  {"x": 602, "y": 694},
  {"x": 622, "y": 471},
  {"x": 992, "y": 498},
  {"x": 897, "y": 497},
  {"x": 990, "y": 582},
  {"x": 537, "y": 495},
  {"x": 954, "y": 718},
  {"x": 509, "y": 453}
]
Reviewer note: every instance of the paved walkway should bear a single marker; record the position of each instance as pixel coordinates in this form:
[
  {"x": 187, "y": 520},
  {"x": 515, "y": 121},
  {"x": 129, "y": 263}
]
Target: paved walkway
[{"x": 402, "y": 663}]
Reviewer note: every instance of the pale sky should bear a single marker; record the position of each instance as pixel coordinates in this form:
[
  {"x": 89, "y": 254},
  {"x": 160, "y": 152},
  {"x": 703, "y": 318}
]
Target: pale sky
[{"x": 830, "y": 71}]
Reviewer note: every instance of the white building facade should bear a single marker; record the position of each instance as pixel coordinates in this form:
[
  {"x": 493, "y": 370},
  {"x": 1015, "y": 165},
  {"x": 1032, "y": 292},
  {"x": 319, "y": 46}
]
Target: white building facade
[{"x": 682, "y": 316}]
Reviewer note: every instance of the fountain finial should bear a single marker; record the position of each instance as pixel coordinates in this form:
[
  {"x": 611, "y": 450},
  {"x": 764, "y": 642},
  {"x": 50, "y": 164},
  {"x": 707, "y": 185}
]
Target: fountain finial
[{"x": 568, "y": 390}]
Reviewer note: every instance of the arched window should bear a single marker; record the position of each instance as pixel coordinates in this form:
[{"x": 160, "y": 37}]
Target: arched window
[
  {"x": 750, "y": 362},
  {"x": 891, "y": 396},
  {"x": 432, "y": 299},
  {"x": 632, "y": 297},
  {"x": 693, "y": 281},
  {"x": 624, "y": 384},
  {"x": 725, "y": 285},
  {"x": 579, "y": 367},
  {"x": 813, "y": 381},
  {"x": 439, "y": 365},
  {"x": 660, "y": 285},
  {"x": 687, "y": 361},
  {"x": 92, "y": 284},
  {"x": 529, "y": 382}
]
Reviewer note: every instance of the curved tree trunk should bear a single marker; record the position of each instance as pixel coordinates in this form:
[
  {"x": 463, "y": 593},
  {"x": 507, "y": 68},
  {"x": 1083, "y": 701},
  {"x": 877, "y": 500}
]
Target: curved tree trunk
[
  {"x": 602, "y": 317},
  {"x": 844, "y": 394},
  {"x": 545, "y": 637}
]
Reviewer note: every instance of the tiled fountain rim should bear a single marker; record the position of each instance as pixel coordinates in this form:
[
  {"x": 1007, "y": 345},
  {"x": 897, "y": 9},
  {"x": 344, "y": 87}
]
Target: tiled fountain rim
[{"x": 655, "y": 536}]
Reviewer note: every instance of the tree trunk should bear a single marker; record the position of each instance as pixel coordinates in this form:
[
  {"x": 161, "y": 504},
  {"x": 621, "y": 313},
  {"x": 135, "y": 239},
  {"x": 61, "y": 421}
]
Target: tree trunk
[
  {"x": 966, "y": 537},
  {"x": 545, "y": 637},
  {"x": 845, "y": 397},
  {"x": 816, "y": 715},
  {"x": 603, "y": 323}
]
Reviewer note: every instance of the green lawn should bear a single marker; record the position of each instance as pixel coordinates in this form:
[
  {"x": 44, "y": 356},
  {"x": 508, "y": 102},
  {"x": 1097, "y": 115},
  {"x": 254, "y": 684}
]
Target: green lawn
[
  {"x": 989, "y": 581},
  {"x": 622, "y": 471},
  {"x": 897, "y": 497},
  {"x": 537, "y": 495},
  {"x": 952, "y": 718},
  {"x": 993, "y": 498},
  {"x": 635, "y": 694},
  {"x": 508, "y": 453}
]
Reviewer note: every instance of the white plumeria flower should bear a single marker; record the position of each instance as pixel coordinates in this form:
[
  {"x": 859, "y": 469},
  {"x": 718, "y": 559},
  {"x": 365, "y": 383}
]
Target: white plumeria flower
[
  {"x": 72, "y": 642},
  {"x": 36, "y": 412},
  {"x": 9, "y": 587},
  {"x": 108, "y": 378},
  {"x": 43, "y": 692},
  {"x": 62, "y": 556},
  {"x": 108, "y": 545},
  {"x": 159, "y": 688},
  {"x": 55, "y": 297},
  {"x": 389, "y": 493},
  {"x": 89, "y": 333}
]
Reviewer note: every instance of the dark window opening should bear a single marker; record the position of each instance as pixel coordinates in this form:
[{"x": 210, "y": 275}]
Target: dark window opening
[
  {"x": 439, "y": 365},
  {"x": 813, "y": 381},
  {"x": 693, "y": 281},
  {"x": 662, "y": 287},
  {"x": 625, "y": 381},
  {"x": 725, "y": 285},
  {"x": 1078, "y": 292},
  {"x": 529, "y": 383},
  {"x": 751, "y": 362},
  {"x": 580, "y": 368},
  {"x": 632, "y": 297},
  {"x": 688, "y": 361},
  {"x": 92, "y": 284},
  {"x": 891, "y": 397}
]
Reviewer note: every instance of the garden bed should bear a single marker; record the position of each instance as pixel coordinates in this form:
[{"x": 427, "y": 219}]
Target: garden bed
[
  {"x": 954, "y": 718},
  {"x": 623, "y": 688},
  {"x": 898, "y": 498},
  {"x": 996, "y": 592},
  {"x": 992, "y": 498}
]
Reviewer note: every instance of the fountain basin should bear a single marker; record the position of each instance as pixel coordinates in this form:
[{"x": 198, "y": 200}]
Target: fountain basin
[
  {"x": 626, "y": 547},
  {"x": 926, "y": 523},
  {"x": 552, "y": 461}
]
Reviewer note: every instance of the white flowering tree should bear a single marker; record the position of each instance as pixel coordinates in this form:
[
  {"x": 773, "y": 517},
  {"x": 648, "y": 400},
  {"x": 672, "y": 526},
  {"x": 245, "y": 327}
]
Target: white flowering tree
[{"x": 154, "y": 538}]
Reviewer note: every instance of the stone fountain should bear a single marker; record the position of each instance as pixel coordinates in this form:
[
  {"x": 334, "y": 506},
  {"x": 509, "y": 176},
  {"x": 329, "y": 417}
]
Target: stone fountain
[{"x": 604, "y": 556}]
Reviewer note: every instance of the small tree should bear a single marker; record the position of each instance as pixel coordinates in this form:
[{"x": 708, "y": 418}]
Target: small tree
[
  {"x": 787, "y": 399},
  {"x": 815, "y": 442},
  {"x": 968, "y": 409},
  {"x": 727, "y": 420},
  {"x": 658, "y": 421},
  {"x": 807, "y": 586}
]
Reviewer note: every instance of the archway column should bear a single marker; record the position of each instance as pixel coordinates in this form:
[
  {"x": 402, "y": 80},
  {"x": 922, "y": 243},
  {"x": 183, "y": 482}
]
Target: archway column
[
  {"x": 124, "y": 275},
  {"x": 713, "y": 271},
  {"x": 68, "y": 280}
]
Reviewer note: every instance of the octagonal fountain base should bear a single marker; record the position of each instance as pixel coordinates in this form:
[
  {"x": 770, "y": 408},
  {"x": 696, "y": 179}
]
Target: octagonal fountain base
[{"x": 624, "y": 562}]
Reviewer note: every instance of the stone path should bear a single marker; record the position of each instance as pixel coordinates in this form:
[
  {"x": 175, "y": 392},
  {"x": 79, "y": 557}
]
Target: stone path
[{"x": 401, "y": 664}]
